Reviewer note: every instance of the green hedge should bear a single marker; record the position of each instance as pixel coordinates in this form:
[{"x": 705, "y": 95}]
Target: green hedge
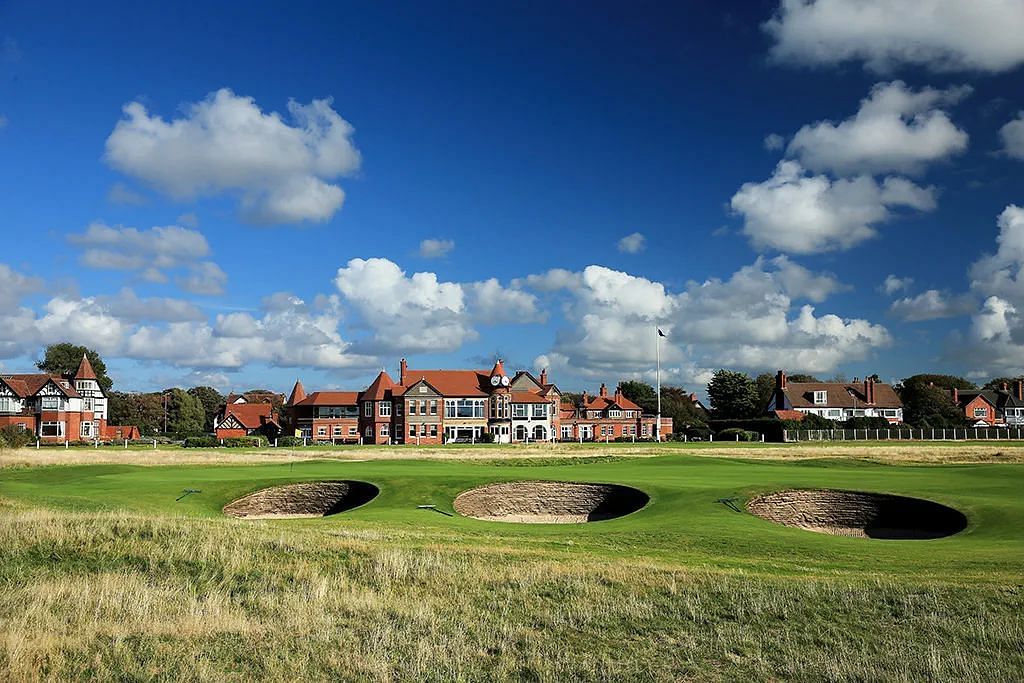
[
  {"x": 737, "y": 434},
  {"x": 289, "y": 441},
  {"x": 201, "y": 442},
  {"x": 13, "y": 436}
]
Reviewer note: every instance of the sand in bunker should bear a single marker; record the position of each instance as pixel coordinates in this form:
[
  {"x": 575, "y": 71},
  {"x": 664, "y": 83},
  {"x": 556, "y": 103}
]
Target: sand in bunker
[
  {"x": 549, "y": 502},
  {"x": 307, "y": 499},
  {"x": 855, "y": 513}
]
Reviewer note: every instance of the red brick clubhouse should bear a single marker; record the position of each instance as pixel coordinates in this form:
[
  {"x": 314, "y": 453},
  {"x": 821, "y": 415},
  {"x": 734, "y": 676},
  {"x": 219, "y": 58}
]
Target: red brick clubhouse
[{"x": 445, "y": 406}]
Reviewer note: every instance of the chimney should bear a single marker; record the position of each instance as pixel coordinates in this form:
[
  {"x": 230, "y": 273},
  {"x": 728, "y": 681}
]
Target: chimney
[
  {"x": 1003, "y": 386},
  {"x": 871, "y": 385},
  {"x": 618, "y": 393},
  {"x": 956, "y": 395},
  {"x": 867, "y": 392},
  {"x": 403, "y": 368},
  {"x": 584, "y": 398},
  {"x": 780, "y": 380},
  {"x": 544, "y": 377},
  {"x": 1019, "y": 387},
  {"x": 604, "y": 390}
]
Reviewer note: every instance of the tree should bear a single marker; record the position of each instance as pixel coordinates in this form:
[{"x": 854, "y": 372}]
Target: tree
[
  {"x": 642, "y": 394},
  {"x": 927, "y": 401},
  {"x": 185, "y": 413},
  {"x": 145, "y": 411},
  {"x": 676, "y": 403},
  {"x": 998, "y": 382},
  {"x": 798, "y": 378},
  {"x": 64, "y": 359},
  {"x": 265, "y": 396},
  {"x": 573, "y": 398},
  {"x": 733, "y": 395},
  {"x": 212, "y": 400},
  {"x": 765, "y": 384}
]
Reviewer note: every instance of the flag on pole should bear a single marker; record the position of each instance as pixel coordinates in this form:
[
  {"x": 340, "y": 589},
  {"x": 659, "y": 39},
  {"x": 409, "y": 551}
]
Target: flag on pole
[{"x": 661, "y": 334}]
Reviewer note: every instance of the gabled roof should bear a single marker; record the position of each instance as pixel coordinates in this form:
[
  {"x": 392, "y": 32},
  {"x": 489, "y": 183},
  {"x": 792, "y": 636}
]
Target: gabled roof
[
  {"x": 840, "y": 395},
  {"x": 498, "y": 369},
  {"x": 33, "y": 384},
  {"x": 330, "y": 398},
  {"x": 789, "y": 414},
  {"x": 85, "y": 370},
  {"x": 453, "y": 382},
  {"x": 603, "y": 403},
  {"x": 965, "y": 397},
  {"x": 379, "y": 389},
  {"x": 251, "y": 415}
]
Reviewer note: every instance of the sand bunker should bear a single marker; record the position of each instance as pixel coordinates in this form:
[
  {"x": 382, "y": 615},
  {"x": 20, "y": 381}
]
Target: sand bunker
[
  {"x": 852, "y": 513},
  {"x": 549, "y": 502},
  {"x": 308, "y": 499}
]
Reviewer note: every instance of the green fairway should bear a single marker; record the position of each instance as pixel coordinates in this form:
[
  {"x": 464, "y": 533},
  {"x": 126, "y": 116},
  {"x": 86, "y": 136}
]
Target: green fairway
[
  {"x": 682, "y": 523},
  {"x": 687, "y": 587}
]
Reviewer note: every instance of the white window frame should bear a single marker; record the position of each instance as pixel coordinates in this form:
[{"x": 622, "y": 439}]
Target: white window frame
[
  {"x": 540, "y": 411},
  {"x": 385, "y": 430},
  {"x": 981, "y": 412},
  {"x": 7, "y": 404},
  {"x": 368, "y": 409},
  {"x": 321, "y": 431},
  {"x": 519, "y": 410},
  {"x": 49, "y": 403},
  {"x": 820, "y": 398},
  {"x": 385, "y": 409},
  {"x": 85, "y": 429},
  {"x": 58, "y": 425}
]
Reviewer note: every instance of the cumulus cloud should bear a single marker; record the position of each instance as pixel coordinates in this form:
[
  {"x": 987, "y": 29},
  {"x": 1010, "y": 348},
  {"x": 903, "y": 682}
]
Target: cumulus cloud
[
  {"x": 435, "y": 248},
  {"x": 940, "y": 35},
  {"x": 419, "y": 312},
  {"x": 205, "y": 277},
  {"x": 896, "y": 129},
  {"x": 932, "y": 305},
  {"x": 550, "y": 281},
  {"x": 127, "y": 306},
  {"x": 748, "y": 320},
  {"x": 774, "y": 141},
  {"x": 796, "y": 212},
  {"x": 226, "y": 143},
  {"x": 632, "y": 243},
  {"x": 893, "y": 284},
  {"x": 14, "y": 286},
  {"x": 1012, "y": 136},
  {"x": 152, "y": 253}
]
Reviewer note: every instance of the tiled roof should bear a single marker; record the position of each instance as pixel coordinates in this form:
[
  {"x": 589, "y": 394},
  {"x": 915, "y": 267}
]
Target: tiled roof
[
  {"x": 330, "y": 398},
  {"x": 31, "y": 384},
  {"x": 85, "y": 370},
  {"x": 454, "y": 382},
  {"x": 605, "y": 402},
  {"x": 251, "y": 415},
  {"x": 789, "y": 414},
  {"x": 528, "y": 397},
  {"x": 379, "y": 389},
  {"x": 298, "y": 393},
  {"x": 840, "y": 395}
]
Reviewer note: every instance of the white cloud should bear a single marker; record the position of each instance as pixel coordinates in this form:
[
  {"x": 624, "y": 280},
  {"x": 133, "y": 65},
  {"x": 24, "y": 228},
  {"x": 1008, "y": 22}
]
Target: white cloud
[
  {"x": 941, "y": 35},
  {"x": 801, "y": 213},
  {"x": 632, "y": 243},
  {"x": 421, "y": 313},
  {"x": 226, "y": 143},
  {"x": 127, "y": 306},
  {"x": 932, "y": 305},
  {"x": 1000, "y": 273},
  {"x": 435, "y": 248},
  {"x": 151, "y": 253},
  {"x": 746, "y": 321},
  {"x": 553, "y": 280},
  {"x": 1012, "y": 135},
  {"x": 14, "y": 287},
  {"x": 119, "y": 193},
  {"x": 774, "y": 142},
  {"x": 895, "y": 129},
  {"x": 893, "y": 284},
  {"x": 205, "y": 277}
]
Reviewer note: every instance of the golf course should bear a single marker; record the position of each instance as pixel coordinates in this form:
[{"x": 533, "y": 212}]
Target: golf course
[{"x": 113, "y": 569}]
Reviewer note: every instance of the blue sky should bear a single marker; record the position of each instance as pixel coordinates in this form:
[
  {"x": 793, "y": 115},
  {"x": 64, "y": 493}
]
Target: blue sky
[{"x": 579, "y": 175}]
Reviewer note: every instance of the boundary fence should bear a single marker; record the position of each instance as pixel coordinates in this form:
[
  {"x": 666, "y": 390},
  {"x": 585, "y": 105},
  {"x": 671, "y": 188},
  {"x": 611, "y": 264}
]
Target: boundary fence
[{"x": 906, "y": 434}]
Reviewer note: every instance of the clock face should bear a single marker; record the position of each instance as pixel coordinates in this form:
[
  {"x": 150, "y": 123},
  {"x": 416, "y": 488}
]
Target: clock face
[
  {"x": 495, "y": 381},
  {"x": 504, "y": 381}
]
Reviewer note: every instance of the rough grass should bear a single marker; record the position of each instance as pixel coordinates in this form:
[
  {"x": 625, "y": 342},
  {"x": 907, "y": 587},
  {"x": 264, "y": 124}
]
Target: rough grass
[
  {"x": 117, "y": 596},
  {"x": 950, "y": 452}
]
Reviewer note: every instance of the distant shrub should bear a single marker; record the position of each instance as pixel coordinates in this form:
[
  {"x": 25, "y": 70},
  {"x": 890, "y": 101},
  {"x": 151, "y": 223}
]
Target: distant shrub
[
  {"x": 289, "y": 441},
  {"x": 13, "y": 436},
  {"x": 245, "y": 442},
  {"x": 201, "y": 442},
  {"x": 737, "y": 434}
]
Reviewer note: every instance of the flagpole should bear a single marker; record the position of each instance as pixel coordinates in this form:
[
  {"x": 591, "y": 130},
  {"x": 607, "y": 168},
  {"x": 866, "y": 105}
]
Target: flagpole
[{"x": 657, "y": 350}]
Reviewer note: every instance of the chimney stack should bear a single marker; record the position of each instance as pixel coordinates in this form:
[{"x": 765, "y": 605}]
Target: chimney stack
[
  {"x": 584, "y": 398},
  {"x": 780, "y": 380},
  {"x": 956, "y": 395},
  {"x": 1019, "y": 387},
  {"x": 1003, "y": 386},
  {"x": 544, "y": 377},
  {"x": 618, "y": 393},
  {"x": 867, "y": 391},
  {"x": 403, "y": 369},
  {"x": 604, "y": 390}
]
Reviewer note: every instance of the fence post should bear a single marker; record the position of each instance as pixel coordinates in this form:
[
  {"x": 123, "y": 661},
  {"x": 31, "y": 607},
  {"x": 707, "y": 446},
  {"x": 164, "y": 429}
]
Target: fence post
[
  {"x": 154, "y": 443},
  {"x": 711, "y": 438},
  {"x": 126, "y": 444}
]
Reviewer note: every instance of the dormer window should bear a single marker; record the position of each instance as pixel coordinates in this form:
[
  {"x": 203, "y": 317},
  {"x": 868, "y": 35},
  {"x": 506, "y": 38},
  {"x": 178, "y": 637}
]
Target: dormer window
[{"x": 820, "y": 398}]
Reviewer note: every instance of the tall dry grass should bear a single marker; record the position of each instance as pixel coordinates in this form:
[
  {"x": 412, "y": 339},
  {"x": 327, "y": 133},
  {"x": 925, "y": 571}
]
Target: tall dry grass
[{"x": 124, "y": 597}]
